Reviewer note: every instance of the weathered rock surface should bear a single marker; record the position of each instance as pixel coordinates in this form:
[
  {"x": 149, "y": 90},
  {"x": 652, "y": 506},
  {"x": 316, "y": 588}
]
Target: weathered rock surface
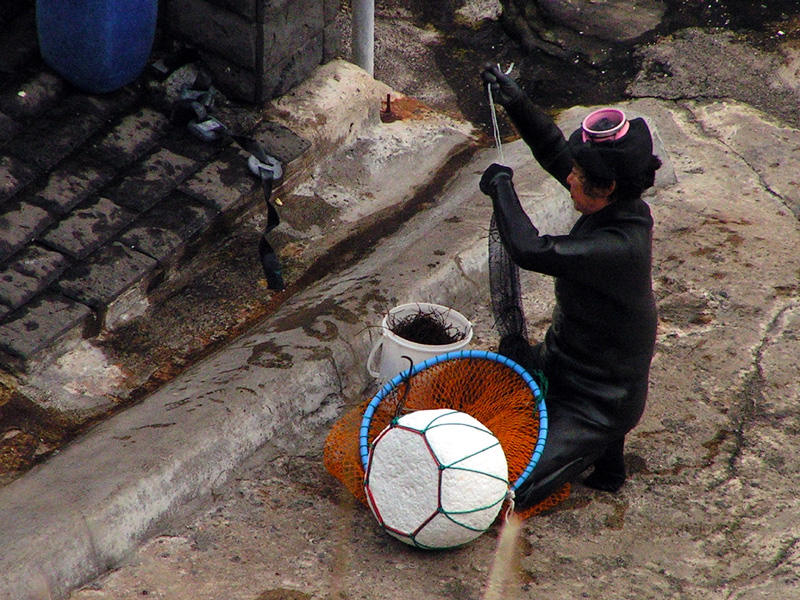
[
  {"x": 568, "y": 28},
  {"x": 610, "y": 20},
  {"x": 696, "y": 63}
]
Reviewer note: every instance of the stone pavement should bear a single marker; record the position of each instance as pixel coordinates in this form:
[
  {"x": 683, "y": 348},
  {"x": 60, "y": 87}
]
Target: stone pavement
[
  {"x": 101, "y": 198},
  {"x": 110, "y": 213}
]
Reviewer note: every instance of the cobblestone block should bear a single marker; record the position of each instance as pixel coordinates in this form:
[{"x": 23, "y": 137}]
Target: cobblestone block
[
  {"x": 290, "y": 28},
  {"x": 181, "y": 141},
  {"x": 330, "y": 11},
  {"x": 237, "y": 82},
  {"x": 165, "y": 231},
  {"x": 131, "y": 138},
  {"x": 261, "y": 51},
  {"x": 14, "y": 175},
  {"x": 224, "y": 184},
  {"x": 33, "y": 97},
  {"x": 19, "y": 224},
  {"x": 19, "y": 44},
  {"x": 41, "y": 324},
  {"x": 88, "y": 227},
  {"x": 215, "y": 29},
  {"x": 272, "y": 7},
  {"x": 262, "y": 11},
  {"x": 8, "y": 128},
  {"x": 276, "y": 80},
  {"x": 105, "y": 276},
  {"x": 292, "y": 71},
  {"x": 29, "y": 273},
  {"x": 332, "y": 47},
  {"x": 151, "y": 180},
  {"x": 115, "y": 104},
  {"x": 59, "y": 132},
  {"x": 280, "y": 142},
  {"x": 73, "y": 181},
  {"x": 245, "y": 8}
]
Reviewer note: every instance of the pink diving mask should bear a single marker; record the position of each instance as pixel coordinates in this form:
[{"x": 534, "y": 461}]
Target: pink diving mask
[{"x": 605, "y": 125}]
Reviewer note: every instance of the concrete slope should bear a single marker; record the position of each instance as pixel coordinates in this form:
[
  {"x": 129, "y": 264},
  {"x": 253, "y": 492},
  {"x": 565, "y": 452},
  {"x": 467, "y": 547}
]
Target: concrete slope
[
  {"x": 710, "y": 507},
  {"x": 86, "y": 508},
  {"x": 718, "y": 457}
]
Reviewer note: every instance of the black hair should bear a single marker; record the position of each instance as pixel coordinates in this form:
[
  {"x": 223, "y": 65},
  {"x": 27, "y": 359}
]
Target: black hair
[{"x": 627, "y": 187}]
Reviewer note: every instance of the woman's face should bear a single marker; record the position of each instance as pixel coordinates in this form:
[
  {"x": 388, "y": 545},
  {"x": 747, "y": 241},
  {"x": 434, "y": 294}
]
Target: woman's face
[{"x": 585, "y": 199}]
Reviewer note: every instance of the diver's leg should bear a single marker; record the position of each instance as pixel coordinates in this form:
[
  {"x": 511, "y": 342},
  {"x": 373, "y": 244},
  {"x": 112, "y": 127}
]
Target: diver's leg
[
  {"x": 609, "y": 469},
  {"x": 572, "y": 446}
]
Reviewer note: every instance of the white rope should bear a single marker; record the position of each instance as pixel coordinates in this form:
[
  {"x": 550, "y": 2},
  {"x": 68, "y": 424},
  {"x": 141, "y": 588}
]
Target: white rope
[
  {"x": 497, "y": 142},
  {"x": 495, "y": 127},
  {"x": 510, "y": 495}
]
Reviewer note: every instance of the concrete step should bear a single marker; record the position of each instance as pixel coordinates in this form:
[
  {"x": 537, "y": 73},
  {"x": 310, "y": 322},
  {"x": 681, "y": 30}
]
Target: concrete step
[{"x": 157, "y": 266}]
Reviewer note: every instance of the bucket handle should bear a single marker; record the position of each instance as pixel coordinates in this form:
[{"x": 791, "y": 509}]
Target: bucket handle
[{"x": 371, "y": 357}]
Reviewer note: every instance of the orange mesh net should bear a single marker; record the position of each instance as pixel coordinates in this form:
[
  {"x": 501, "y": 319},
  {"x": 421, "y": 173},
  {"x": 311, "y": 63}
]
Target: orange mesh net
[{"x": 488, "y": 390}]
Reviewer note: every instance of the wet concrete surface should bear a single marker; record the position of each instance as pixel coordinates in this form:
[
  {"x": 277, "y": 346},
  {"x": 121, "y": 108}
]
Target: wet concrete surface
[
  {"x": 708, "y": 512},
  {"x": 413, "y": 38},
  {"x": 709, "y": 508}
]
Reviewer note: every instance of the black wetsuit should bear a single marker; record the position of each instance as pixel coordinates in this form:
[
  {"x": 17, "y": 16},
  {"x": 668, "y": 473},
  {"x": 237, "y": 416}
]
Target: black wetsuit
[{"x": 596, "y": 354}]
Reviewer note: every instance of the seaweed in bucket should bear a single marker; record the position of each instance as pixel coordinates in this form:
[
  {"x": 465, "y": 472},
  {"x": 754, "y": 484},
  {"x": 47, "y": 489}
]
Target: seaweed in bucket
[{"x": 429, "y": 327}]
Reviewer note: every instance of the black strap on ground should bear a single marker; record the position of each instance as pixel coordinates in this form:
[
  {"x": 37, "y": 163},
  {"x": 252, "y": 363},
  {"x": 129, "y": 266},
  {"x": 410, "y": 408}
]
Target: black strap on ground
[
  {"x": 193, "y": 109},
  {"x": 269, "y": 259}
]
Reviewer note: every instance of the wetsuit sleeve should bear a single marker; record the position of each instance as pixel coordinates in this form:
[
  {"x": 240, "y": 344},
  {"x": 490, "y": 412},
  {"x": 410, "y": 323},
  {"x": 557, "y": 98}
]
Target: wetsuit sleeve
[
  {"x": 590, "y": 258},
  {"x": 543, "y": 137}
]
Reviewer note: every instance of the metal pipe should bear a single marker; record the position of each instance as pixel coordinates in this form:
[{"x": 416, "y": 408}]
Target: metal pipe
[{"x": 364, "y": 34}]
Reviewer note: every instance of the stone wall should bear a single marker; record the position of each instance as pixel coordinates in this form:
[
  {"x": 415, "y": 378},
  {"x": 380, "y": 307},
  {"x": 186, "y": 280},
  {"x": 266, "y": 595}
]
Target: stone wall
[{"x": 257, "y": 49}]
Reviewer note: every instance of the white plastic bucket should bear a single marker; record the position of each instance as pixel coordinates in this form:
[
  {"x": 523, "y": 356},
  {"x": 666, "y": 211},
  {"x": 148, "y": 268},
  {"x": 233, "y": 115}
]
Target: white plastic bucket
[{"x": 393, "y": 348}]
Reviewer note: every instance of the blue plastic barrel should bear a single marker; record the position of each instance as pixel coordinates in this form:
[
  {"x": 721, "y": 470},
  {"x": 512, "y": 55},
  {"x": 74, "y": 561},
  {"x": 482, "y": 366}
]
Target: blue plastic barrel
[{"x": 97, "y": 45}]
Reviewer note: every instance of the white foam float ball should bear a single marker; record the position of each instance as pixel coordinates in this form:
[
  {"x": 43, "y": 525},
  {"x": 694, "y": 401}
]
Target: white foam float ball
[{"x": 436, "y": 478}]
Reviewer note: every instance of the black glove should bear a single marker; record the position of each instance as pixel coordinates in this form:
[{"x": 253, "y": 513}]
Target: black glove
[
  {"x": 504, "y": 89},
  {"x": 492, "y": 174}
]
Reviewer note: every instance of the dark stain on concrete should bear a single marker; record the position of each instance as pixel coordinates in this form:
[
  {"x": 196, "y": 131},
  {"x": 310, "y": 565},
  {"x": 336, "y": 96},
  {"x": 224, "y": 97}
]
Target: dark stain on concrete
[
  {"x": 322, "y": 330},
  {"x": 283, "y": 594},
  {"x": 306, "y": 211},
  {"x": 306, "y": 318},
  {"x": 270, "y": 355}
]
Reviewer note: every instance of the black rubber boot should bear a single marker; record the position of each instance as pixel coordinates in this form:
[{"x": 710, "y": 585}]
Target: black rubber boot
[{"x": 609, "y": 469}]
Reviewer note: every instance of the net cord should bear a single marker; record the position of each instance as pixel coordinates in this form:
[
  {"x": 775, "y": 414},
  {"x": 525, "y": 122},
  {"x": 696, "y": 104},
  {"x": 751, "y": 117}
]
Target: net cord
[{"x": 363, "y": 436}]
